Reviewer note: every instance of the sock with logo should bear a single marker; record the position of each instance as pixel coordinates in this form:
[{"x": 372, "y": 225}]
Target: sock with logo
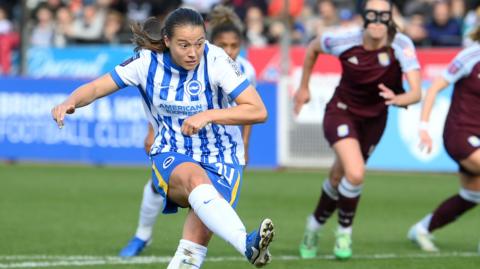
[
  {"x": 217, "y": 214},
  {"x": 326, "y": 205},
  {"x": 189, "y": 255},
  {"x": 348, "y": 197}
]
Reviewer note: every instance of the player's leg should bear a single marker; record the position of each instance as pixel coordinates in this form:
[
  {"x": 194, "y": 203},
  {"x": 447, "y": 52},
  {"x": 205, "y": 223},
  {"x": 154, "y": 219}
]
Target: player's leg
[
  {"x": 349, "y": 153},
  {"x": 455, "y": 206},
  {"x": 190, "y": 186},
  {"x": 324, "y": 209},
  {"x": 192, "y": 248},
  {"x": 152, "y": 203},
  {"x": 448, "y": 211}
]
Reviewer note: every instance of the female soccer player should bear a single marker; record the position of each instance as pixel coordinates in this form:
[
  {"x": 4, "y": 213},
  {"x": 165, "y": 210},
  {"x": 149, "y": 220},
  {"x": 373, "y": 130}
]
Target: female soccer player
[
  {"x": 461, "y": 137},
  {"x": 226, "y": 32},
  {"x": 197, "y": 157},
  {"x": 373, "y": 62}
]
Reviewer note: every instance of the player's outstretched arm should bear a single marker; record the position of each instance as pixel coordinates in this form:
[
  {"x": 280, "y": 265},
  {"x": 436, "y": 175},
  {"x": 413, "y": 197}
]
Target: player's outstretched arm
[
  {"x": 82, "y": 96},
  {"x": 302, "y": 95},
  {"x": 425, "y": 139}
]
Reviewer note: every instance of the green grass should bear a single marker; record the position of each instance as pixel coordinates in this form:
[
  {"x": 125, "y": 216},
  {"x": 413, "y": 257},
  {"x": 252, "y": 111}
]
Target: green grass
[{"x": 63, "y": 211}]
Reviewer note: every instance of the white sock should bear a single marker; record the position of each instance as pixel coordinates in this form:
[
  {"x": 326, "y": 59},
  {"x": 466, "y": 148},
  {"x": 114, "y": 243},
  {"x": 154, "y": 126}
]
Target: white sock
[
  {"x": 312, "y": 224},
  {"x": 188, "y": 255},
  {"x": 218, "y": 216},
  {"x": 344, "y": 230},
  {"x": 152, "y": 203},
  {"x": 424, "y": 223}
]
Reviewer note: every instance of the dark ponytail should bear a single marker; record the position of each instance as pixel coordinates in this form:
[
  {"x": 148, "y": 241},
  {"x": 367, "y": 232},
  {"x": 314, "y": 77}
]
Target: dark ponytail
[
  {"x": 223, "y": 19},
  {"x": 150, "y": 35}
]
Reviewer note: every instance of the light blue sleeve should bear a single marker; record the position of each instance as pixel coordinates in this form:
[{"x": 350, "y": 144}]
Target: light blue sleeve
[
  {"x": 462, "y": 65},
  {"x": 404, "y": 51},
  {"x": 336, "y": 43}
]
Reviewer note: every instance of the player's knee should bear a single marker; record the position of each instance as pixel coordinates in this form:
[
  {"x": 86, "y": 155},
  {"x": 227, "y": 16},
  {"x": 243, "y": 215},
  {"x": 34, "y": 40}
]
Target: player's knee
[
  {"x": 355, "y": 177},
  {"x": 196, "y": 180}
]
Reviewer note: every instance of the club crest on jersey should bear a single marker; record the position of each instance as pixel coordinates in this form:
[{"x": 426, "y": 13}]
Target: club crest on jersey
[
  {"x": 168, "y": 161},
  {"x": 342, "y": 130},
  {"x": 383, "y": 59},
  {"x": 474, "y": 141},
  {"x": 194, "y": 87}
]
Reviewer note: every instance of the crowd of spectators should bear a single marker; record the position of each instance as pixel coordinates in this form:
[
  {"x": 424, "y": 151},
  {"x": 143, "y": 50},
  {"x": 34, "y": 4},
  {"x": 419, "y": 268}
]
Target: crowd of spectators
[{"x": 59, "y": 23}]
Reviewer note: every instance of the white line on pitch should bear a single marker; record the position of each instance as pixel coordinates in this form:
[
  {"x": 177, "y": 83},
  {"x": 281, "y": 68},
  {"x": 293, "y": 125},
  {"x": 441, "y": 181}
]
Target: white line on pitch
[{"x": 38, "y": 261}]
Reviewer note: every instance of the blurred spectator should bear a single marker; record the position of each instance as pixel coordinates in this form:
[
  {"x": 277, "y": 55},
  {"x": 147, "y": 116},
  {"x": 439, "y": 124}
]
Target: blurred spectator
[
  {"x": 114, "y": 31},
  {"x": 76, "y": 7},
  {"x": 325, "y": 18},
  {"x": 5, "y": 23},
  {"x": 89, "y": 27},
  {"x": 54, "y": 5},
  {"x": 277, "y": 29},
  {"x": 63, "y": 27},
  {"x": 472, "y": 19},
  {"x": 202, "y": 6},
  {"x": 255, "y": 27},
  {"x": 458, "y": 8},
  {"x": 418, "y": 7},
  {"x": 139, "y": 10},
  {"x": 44, "y": 28},
  {"x": 443, "y": 30},
  {"x": 415, "y": 29},
  {"x": 241, "y": 7},
  {"x": 8, "y": 41},
  {"x": 428, "y": 22}
]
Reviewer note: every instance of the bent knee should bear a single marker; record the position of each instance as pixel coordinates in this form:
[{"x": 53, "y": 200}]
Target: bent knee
[
  {"x": 195, "y": 180},
  {"x": 355, "y": 177}
]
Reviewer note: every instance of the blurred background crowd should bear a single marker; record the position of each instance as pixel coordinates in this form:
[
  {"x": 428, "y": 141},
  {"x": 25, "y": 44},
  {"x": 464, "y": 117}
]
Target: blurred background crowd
[{"x": 60, "y": 23}]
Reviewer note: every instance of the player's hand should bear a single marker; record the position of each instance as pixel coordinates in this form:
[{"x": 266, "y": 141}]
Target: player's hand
[
  {"x": 195, "y": 123},
  {"x": 302, "y": 96},
  {"x": 59, "y": 111},
  {"x": 425, "y": 141},
  {"x": 387, "y": 94}
]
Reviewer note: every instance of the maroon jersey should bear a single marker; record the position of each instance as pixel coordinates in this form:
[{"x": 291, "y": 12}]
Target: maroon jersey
[
  {"x": 364, "y": 70},
  {"x": 464, "y": 71}
]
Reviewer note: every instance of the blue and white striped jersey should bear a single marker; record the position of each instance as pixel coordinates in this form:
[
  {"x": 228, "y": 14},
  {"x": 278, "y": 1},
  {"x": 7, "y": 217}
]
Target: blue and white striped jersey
[
  {"x": 247, "y": 68},
  {"x": 171, "y": 94}
]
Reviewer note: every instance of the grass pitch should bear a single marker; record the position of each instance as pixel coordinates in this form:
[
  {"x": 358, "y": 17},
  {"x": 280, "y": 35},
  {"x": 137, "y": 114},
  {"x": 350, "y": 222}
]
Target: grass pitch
[{"x": 57, "y": 216}]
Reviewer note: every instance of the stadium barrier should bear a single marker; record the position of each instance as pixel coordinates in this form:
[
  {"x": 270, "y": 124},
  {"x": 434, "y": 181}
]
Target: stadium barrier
[{"x": 111, "y": 131}]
